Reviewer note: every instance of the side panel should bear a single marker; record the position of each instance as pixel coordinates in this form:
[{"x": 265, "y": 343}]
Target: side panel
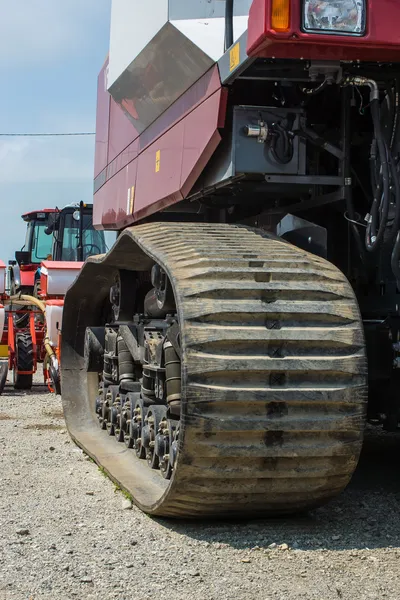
[
  {"x": 122, "y": 131},
  {"x": 114, "y": 202},
  {"x": 194, "y": 122},
  {"x": 381, "y": 42},
  {"x": 57, "y": 276},
  {"x": 27, "y": 278},
  {"x": 102, "y": 122}
]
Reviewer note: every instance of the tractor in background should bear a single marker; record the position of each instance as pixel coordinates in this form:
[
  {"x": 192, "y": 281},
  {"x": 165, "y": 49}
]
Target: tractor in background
[{"x": 56, "y": 245}]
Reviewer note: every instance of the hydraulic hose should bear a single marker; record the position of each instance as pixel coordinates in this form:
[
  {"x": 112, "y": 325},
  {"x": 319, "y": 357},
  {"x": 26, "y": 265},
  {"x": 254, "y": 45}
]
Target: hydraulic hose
[
  {"x": 380, "y": 204},
  {"x": 228, "y": 23}
]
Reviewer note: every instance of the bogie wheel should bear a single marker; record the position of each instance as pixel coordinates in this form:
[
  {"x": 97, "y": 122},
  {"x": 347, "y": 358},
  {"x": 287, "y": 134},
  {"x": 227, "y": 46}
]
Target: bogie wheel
[
  {"x": 23, "y": 361},
  {"x": 153, "y": 420},
  {"x": 167, "y": 446},
  {"x": 110, "y": 395},
  {"x": 138, "y": 430}
]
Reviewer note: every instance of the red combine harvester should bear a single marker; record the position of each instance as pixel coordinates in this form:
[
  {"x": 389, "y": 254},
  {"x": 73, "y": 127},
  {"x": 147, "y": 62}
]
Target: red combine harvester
[
  {"x": 248, "y": 155},
  {"x": 57, "y": 243}
]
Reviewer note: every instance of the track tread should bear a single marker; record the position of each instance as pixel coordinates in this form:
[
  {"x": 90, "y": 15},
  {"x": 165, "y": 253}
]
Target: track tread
[{"x": 260, "y": 433}]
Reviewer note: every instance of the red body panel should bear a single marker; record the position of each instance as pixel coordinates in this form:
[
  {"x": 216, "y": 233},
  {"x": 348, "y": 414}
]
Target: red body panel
[
  {"x": 28, "y": 276},
  {"x": 381, "y": 42},
  {"x": 62, "y": 264},
  {"x": 102, "y": 122},
  {"x": 185, "y": 136}
]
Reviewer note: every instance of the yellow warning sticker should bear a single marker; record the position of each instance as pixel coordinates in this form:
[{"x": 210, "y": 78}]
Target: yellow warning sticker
[
  {"x": 3, "y": 351},
  {"x": 158, "y": 160},
  {"x": 234, "y": 57}
]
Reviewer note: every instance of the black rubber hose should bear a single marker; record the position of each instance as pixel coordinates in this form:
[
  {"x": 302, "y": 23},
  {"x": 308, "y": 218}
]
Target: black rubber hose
[
  {"x": 228, "y": 23},
  {"x": 396, "y": 185},
  {"x": 396, "y": 103},
  {"x": 346, "y": 167},
  {"x": 380, "y": 204}
]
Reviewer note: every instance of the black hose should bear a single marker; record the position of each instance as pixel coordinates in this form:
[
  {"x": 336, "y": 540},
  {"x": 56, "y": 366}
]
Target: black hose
[
  {"x": 346, "y": 167},
  {"x": 380, "y": 204},
  {"x": 396, "y": 185},
  {"x": 228, "y": 23},
  {"x": 396, "y": 103}
]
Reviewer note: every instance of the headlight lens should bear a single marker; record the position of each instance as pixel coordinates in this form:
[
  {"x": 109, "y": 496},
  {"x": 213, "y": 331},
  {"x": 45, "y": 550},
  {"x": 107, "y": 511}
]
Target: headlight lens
[{"x": 335, "y": 16}]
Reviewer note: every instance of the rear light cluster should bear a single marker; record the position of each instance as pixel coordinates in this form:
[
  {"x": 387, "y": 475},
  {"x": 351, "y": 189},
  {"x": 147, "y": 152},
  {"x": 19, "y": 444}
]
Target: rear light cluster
[{"x": 340, "y": 17}]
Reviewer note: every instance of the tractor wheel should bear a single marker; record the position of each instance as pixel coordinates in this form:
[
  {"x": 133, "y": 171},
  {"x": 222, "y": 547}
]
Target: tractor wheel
[
  {"x": 24, "y": 361},
  {"x": 22, "y": 319},
  {"x": 37, "y": 289}
]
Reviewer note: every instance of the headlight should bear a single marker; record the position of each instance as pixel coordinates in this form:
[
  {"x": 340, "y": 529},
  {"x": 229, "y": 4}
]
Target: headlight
[{"x": 335, "y": 16}]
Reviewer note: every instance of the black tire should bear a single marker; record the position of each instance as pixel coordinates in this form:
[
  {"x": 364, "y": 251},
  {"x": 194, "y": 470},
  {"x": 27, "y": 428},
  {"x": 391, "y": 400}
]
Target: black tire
[
  {"x": 37, "y": 289},
  {"x": 24, "y": 361},
  {"x": 21, "y": 320}
]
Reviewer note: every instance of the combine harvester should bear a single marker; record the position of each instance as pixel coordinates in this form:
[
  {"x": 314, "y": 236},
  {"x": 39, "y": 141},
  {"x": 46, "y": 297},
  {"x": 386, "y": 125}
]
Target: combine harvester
[
  {"x": 56, "y": 245},
  {"x": 214, "y": 361}
]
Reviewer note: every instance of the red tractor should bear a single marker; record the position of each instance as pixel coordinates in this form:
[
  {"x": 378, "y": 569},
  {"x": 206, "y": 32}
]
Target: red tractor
[
  {"x": 57, "y": 243},
  {"x": 248, "y": 155}
]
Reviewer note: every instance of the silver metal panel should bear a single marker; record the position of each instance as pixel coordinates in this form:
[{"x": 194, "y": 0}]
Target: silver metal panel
[
  {"x": 235, "y": 60},
  {"x": 219, "y": 169},
  {"x": 205, "y": 9},
  {"x": 133, "y": 25},
  {"x": 158, "y": 76},
  {"x": 252, "y": 157}
]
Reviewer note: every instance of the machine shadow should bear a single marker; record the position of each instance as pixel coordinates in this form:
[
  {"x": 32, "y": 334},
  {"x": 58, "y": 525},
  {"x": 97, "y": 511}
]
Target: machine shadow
[{"x": 365, "y": 516}]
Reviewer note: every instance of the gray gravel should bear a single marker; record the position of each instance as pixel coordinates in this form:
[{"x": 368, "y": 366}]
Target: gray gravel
[{"x": 66, "y": 532}]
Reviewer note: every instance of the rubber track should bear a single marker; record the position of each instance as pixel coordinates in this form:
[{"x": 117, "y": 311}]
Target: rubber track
[{"x": 274, "y": 372}]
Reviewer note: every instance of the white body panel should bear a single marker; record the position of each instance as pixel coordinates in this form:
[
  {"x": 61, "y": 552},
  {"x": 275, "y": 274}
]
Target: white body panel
[
  {"x": 134, "y": 24},
  {"x": 209, "y": 34},
  {"x": 54, "y": 321},
  {"x": 59, "y": 280}
]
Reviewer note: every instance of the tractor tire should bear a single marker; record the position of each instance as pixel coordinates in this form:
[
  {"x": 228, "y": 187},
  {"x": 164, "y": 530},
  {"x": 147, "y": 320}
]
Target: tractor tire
[
  {"x": 21, "y": 320},
  {"x": 24, "y": 361}
]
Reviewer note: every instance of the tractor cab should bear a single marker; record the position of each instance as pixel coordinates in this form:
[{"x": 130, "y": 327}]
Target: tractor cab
[
  {"x": 72, "y": 235},
  {"x": 37, "y": 245},
  {"x": 65, "y": 235}
]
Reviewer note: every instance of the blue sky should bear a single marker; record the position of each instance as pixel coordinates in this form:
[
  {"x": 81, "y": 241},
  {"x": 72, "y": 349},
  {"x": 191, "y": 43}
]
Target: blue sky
[{"x": 50, "y": 54}]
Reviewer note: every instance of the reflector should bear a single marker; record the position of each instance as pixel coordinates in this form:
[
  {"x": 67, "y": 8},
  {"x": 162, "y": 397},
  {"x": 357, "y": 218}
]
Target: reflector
[{"x": 280, "y": 15}]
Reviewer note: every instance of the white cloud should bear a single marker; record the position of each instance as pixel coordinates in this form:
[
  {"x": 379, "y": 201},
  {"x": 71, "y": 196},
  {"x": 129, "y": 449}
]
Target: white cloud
[
  {"x": 42, "y": 31},
  {"x": 46, "y": 160}
]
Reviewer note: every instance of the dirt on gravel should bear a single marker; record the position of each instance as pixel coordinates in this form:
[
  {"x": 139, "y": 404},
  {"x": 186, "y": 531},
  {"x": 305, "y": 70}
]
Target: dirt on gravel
[{"x": 66, "y": 532}]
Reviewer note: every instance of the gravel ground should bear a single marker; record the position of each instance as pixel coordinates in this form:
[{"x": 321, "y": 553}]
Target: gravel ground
[{"x": 65, "y": 531}]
